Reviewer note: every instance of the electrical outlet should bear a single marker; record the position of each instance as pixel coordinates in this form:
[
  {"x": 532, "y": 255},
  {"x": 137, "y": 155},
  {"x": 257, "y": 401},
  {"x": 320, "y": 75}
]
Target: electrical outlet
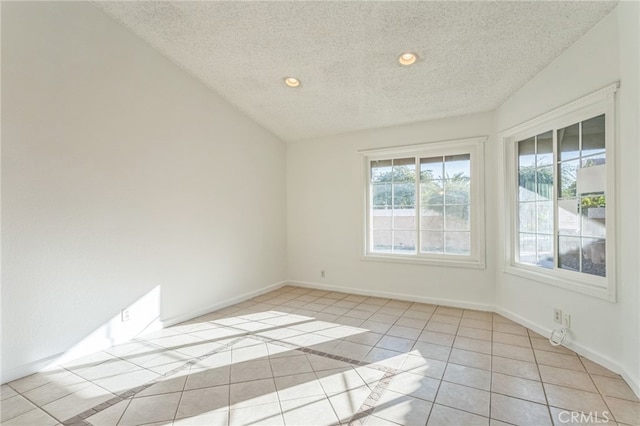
[
  {"x": 557, "y": 315},
  {"x": 566, "y": 320},
  {"x": 125, "y": 315},
  {"x": 322, "y": 273}
]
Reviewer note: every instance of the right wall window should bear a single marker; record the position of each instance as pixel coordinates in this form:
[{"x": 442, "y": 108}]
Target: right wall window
[{"x": 560, "y": 179}]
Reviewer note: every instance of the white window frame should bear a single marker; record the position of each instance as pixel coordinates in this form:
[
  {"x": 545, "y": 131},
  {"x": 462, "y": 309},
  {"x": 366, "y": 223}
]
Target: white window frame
[
  {"x": 472, "y": 146},
  {"x": 592, "y": 105}
]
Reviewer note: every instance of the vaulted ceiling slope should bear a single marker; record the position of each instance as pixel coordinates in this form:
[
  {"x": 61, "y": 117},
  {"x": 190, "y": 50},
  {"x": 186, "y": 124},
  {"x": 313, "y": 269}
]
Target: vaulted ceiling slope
[{"x": 471, "y": 55}]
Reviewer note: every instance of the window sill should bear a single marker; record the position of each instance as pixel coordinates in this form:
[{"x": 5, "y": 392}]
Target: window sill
[
  {"x": 555, "y": 280},
  {"x": 453, "y": 263}
]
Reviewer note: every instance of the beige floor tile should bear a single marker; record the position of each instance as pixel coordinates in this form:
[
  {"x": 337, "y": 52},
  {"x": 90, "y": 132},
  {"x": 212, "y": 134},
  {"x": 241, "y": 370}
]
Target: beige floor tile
[
  {"x": 298, "y": 386},
  {"x": 567, "y": 378},
  {"x": 446, "y": 416},
  {"x": 256, "y": 392},
  {"x": 267, "y": 414},
  {"x": 336, "y": 381},
  {"x": 39, "y": 379},
  {"x": 474, "y": 323},
  {"x": 287, "y": 366},
  {"x": 351, "y": 350},
  {"x": 624, "y": 411},
  {"x": 518, "y": 387},
  {"x": 415, "y": 385},
  {"x": 570, "y": 362},
  {"x": 378, "y": 421},
  {"x": 417, "y": 323},
  {"x": 478, "y": 315},
  {"x": 157, "y": 408},
  {"x": 206, "y": 377},
  {"x": 475, "y": 333},
  {"x": 514, "y": 352},
  {"x": 475, "y": 345},
  {"x": 574, "y": 399},
  {"x": 35, "y": 417},
  {"x": 14, "y": 406},
  {"x": 402, "y": 409},
  {"x": 468, "y": 376},
  {"x": 110, "y": 416},
  {"x": 7, "y": 392},
  {"x": 464, "y": 398},
  {"x": 375, "y": 326},
  {"x": 385, "y": 358},
  {"x": 365, "y": 338},
  {"x": 434, "y": 337},
  {"x": 251, "y": 370},
  {"x": 511, "y": 339},
  {"x": 441, "y": 327},
  {"x": 445, "y": 310},
  {"x": 562, "y": 417},
  {"x": 347, "y": 404},
  {"x": 424, "y": 366},
  {"x": 202, "y": 401},
  {"x": 404, "y": 332},
  {"x": 447, "y": 319},
  {"x": 510, "y": 328},
  {"x": 127, "y": 380},
  {"x": 515, "y": 367},
  {"x": 319, "y": 363},
  {"x": 56, "y": 389},
  {"x": 544, "y": 345},
  {"x": 396, "y": 343},
  {"x": 594, "y": 368},
  {"x": 430, "y": 350},
  {"x": 301, "y": 411},
  {"x": 424, "y": 308},
  {"x": 470, "y": 359},
  {"x": 519, "y": 412},
  {"x": 249, "y": 353},
  {"x": 617, "y": 388},
  {"x": 77, "y": 402}
]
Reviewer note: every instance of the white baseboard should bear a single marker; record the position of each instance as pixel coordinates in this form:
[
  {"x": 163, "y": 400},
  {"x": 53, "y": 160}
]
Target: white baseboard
[
  {"x": 238, "y": 299},
  {"x": 393, "y": 295}
]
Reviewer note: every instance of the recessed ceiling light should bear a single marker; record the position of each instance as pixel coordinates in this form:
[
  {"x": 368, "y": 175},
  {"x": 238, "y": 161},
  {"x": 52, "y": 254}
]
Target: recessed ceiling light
[
  {"x": 407, "y": 58},
  {"x": 292, "y": 82}
]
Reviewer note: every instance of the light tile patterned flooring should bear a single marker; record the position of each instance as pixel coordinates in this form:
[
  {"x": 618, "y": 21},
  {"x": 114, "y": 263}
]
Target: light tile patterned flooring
[{"x": 297, "y": 356}]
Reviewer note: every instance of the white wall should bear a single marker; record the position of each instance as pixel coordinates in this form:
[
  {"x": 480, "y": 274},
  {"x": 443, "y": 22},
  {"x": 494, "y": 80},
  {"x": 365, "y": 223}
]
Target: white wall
[
  {"x": 608, "y": 332},
  {"x": 121, "y": 174},
  {"x": 325, "y": 192}
]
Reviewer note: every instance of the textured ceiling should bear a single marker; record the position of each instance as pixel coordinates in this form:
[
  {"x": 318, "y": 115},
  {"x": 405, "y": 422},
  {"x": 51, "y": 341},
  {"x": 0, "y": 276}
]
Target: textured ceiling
[{"x": 472, "y": 55}]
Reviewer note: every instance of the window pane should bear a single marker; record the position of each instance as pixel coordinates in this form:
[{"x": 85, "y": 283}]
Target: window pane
[
  {"x": 594, "y": 217},
  {"x": 404, "y": 242},
  {"x": 457, "y": 166},
  {"x": 527, "y": 182},
  {"x": 404, "y": 195},
  {"x": 569, "y": 253},
  {"x": 527, "y": 253},
  {"x": 527, "y": 153},
  {"x": 431, "y": 168},
  {"x": 432, "y": 192},
  {"x": 381, "y": 219},
  {"x": 432, "y": 218},
  {"x": 568, "y": 142},
  {"x": 544, "y": 217},
  {"x": 456, "y": 191},
  {"x": 457, "y": 218},
  {"x": 567, "y": 173},
  {"x": 381, "y": 171},
  {"x": 457, "y": 243},
  {"x": 404, "y": 218},
  {"x": 527, "y": 217},
  {"x": 381, "y": 241},
  {"x": 404, "y": 170},
  {"x": 545, "y": 149},
  {"x": 545, "y": 251},
  {"x": 594, "y": 256},
  {"x": 594, "y": 160},
  {"x": 381, "y": 195},
  {"x": 568, "y": 219},
  {"x": 544, "y": 181},
  {"x": 432, "y": 242},
  {"x": 593, "y": 136}
]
